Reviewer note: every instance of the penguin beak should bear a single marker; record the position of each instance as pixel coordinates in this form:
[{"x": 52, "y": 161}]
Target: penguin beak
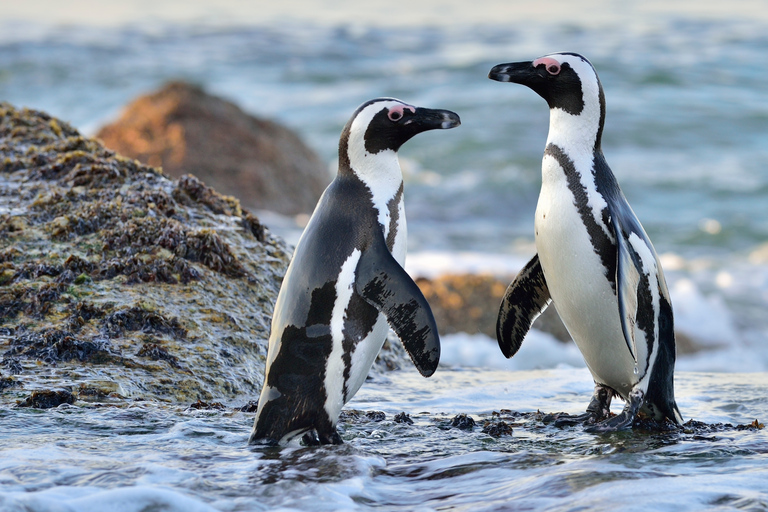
[
  {"x": 433, "y": 119},
  {"x": 517, "y": 72}
]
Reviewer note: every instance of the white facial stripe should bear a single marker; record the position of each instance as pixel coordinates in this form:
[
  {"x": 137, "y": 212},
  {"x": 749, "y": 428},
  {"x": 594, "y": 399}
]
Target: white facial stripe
[
  {"x": 577, "y": 133},
  {"x": 334, "y": 371},
  {"x": 379, "y": 171}
]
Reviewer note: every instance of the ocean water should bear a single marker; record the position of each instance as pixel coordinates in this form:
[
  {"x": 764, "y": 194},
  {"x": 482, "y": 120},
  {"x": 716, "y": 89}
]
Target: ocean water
[
  {"x": 686, "y": 135},
  {"x": 150, "y": 457}
]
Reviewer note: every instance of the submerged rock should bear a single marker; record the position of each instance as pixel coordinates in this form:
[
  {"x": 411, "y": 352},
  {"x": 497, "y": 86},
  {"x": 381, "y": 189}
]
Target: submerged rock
[
  {"x": 119, "y": 281},
  {"x": 185, "y": 130}
]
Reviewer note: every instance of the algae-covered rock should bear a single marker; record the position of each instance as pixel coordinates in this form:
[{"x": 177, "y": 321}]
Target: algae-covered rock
[
  {"x": 188, "y": 131},
  {"x": 118, "y": 281}
]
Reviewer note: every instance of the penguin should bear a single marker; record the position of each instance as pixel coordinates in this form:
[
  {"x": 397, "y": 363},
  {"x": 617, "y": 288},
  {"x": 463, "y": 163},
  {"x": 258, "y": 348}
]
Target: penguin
[
  {"x": 345, "y": 285},
  {"x": 594, "y": 260}
]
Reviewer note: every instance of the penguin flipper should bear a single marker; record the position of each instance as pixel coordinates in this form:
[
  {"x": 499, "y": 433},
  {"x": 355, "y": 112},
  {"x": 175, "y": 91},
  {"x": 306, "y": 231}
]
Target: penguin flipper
[
  {"x": 525, "y": 299},
  {"x": 384, "y": 284},
  {"x": 628, "y": 272}
]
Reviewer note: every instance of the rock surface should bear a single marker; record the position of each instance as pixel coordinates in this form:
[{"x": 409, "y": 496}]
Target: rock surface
[
  {"x": 187, "y": 131},
  {"x": 119, "y": 282}
]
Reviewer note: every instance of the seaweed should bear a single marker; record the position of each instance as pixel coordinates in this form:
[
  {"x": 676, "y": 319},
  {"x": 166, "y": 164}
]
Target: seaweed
[
  {"x": 157, "y": 353},
  {"x": 11, "y": 303},
  {"x": 403, "y": 417},
  {"x": 8, "y": 382},
  {"x": 497, "y": 428},
  {"x": 215, "y": 406},
  {"x": 82, "y": 313},
  {"x": 253, "y": 225},
  {"x": 47, "y": 399},
  {"x": 13, "y": 365},
  {"x": 463, "y": 422},
  {"x": 190, "y": 189},
  {"x": 376, "y": 416},
  {"x": 55, "y": 345},
  {"x": 139, "y": 319},
  {"x": 251, "y": 406},
  {"x": 147, "y": 270}
]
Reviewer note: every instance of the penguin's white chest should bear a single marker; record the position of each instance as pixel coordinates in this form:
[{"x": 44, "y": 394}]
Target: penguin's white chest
[{"x": 577, "y": 281}]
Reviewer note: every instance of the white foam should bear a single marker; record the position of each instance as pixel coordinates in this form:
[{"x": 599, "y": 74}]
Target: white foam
[
  {"x": 539, "y": 350},
  {"x": 706, "y": 319},
  {"x": 432, "y": 264},
  {"x": 83, "y": 499}
]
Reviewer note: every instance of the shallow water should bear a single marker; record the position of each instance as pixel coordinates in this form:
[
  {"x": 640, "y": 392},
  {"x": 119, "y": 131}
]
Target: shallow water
[{"x": 148, "y": 456}]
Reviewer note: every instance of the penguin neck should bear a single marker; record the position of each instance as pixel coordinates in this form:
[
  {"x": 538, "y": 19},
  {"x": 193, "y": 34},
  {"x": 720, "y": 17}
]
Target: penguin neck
[
  {"x": 576, "y": 134},
  {"x": 380, "y": 173}
]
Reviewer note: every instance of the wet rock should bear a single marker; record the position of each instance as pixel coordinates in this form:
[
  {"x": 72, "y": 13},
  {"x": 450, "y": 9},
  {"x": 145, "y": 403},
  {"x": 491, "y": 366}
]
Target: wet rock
[
  {"x": 251, "y": 406},
  {"x": 497, "y": 428},
  {"x": 463, "y": 422},
  {"x": 47, "y": 399},
  {"x": 187, "y": 131},
  {"x": 112, "y": 271},
  {"x": 157, "y": 353},
  {"x": 7, "y": 382},
  {"x": 213, "y": 406},
  {"x": 376, "y": 416},
  {"x": 403, "y": 418},
  {"x": 470, "y": 303}
]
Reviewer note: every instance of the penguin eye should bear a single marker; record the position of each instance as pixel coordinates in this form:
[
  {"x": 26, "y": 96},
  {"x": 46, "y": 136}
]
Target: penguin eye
[
  {"x": 395, "y": 115},
  {"x": 553, "y": 68}
]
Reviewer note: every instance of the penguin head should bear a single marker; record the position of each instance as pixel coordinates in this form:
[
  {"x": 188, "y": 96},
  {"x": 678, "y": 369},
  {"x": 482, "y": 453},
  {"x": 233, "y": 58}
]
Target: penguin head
[
  {"x": 568, "y": 83},
  {"x": 379, "y": 127}
]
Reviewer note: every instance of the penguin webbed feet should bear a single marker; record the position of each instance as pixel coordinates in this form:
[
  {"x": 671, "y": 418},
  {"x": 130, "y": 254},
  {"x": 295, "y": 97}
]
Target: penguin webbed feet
[
  {"x": 315, "y": 438},
  {"x": 598, "y": 410},
  {"x": 623, "y": 420},
  {"x": 563, "y": 419}
]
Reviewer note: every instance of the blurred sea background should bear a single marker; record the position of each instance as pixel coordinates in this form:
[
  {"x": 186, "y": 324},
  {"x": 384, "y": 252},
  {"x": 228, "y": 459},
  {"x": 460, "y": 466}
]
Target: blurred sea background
[{"x": 686, "y": 135}]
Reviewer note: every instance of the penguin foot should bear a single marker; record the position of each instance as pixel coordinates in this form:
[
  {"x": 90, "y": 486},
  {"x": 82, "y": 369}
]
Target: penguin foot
[
  {"x": 330, "y": 438},
  {"x": 314, "y": 438},
  {"x": 599, "y": 409},
  {"x": 622, "y": 421},
  {"x": 561, "y": 419},
  {"x": 600, "y": 405}
]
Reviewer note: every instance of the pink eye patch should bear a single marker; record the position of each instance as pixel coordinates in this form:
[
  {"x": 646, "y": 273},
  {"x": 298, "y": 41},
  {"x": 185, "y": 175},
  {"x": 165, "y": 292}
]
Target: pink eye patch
[
  {"x": 396, "y": 112},
  {"x": 550, "y": 64}
]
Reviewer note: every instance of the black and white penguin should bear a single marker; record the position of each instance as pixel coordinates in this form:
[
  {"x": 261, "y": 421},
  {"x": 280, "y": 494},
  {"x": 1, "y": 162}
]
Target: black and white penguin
[
  {"x": 346, "y": 283},
  {"x": 594, "y": 260}
]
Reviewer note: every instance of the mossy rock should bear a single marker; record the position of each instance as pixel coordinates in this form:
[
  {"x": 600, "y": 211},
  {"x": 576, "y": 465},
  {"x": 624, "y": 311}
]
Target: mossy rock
[{"x": 118, "y": 280}]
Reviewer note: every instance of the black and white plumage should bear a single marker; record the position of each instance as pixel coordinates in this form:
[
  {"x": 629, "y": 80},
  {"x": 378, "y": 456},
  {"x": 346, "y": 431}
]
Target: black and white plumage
[
  {"x": 594, "y": 260},
  {"x": 346, "y": 283}
]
